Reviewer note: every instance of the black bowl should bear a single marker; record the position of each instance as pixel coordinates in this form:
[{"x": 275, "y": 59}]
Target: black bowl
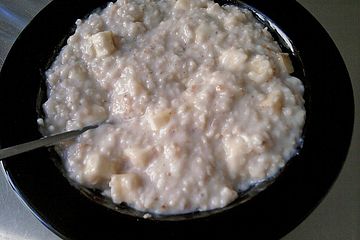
[{"x": 269, "y": 213}]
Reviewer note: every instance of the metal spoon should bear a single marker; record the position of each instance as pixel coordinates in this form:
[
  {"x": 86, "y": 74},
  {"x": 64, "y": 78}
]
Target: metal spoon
[{"x": 43, "y": 142}]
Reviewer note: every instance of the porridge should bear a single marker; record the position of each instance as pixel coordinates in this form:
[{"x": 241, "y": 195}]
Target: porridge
[{"x": 197, "y": 101}]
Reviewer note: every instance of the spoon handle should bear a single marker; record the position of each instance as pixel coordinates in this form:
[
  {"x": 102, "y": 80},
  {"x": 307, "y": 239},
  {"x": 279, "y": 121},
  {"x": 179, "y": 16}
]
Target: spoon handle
[{"x": 42, "y": 142}]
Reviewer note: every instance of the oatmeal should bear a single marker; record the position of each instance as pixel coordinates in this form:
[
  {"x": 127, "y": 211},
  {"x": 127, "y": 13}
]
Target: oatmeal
[{"x": 198, "y": 99}]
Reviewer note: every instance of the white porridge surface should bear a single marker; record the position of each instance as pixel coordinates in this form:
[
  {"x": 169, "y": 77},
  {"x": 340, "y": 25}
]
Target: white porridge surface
[{"x": 198, "y": 101}]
